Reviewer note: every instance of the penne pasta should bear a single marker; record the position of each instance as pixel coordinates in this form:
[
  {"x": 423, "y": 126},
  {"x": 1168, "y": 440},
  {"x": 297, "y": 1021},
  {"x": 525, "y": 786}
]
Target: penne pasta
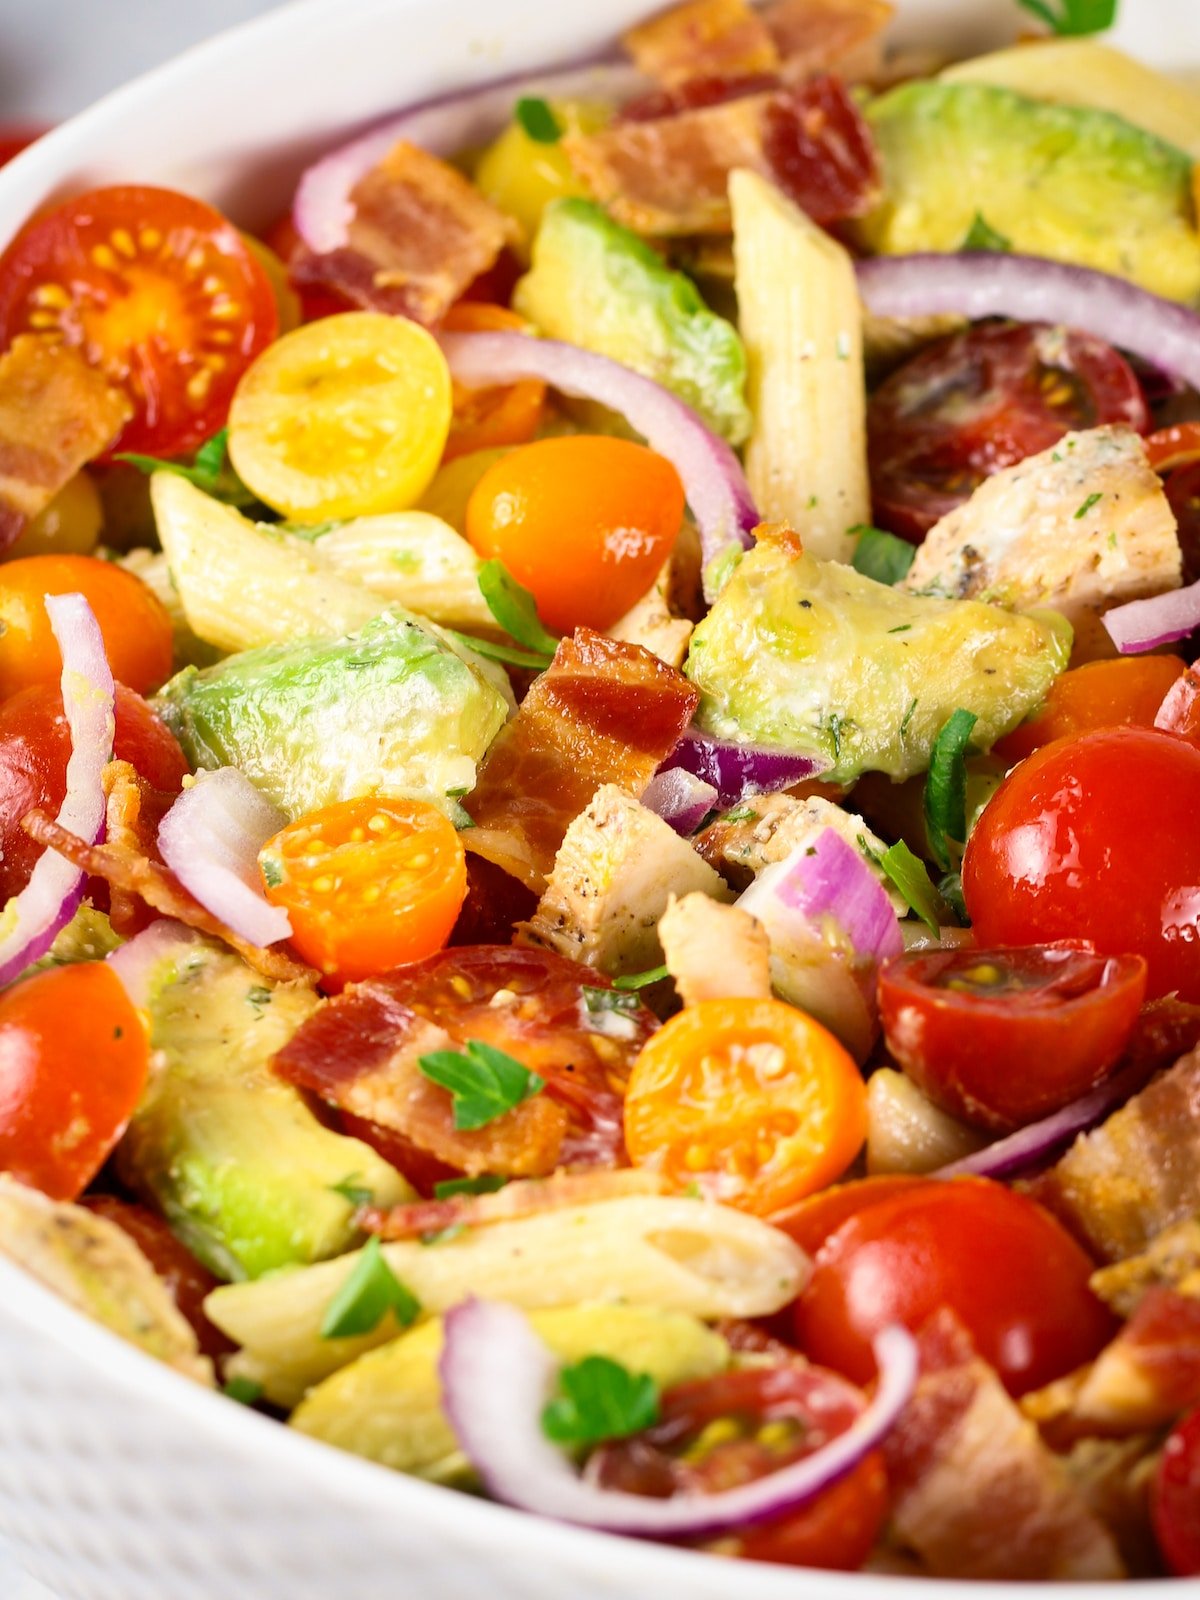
[
  {"x": 414, "y": 559},
  {"x": 802, "y": 324}
]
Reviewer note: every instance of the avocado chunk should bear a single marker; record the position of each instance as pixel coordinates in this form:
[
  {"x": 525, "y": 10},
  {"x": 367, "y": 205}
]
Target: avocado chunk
[
  {"x": 597, "y": 285},
  {"x": 231, "y": 1155},
  {"x": 1062, "y": 181},
  {"x": 812, "y": 656},
  {"x": 393, "y": 708}
]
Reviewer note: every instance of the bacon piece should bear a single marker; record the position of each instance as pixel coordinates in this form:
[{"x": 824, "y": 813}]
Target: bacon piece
[
  {"x": 421, "y": 233},
  {"x": 131, "y": 872},
  {"x": 828, "y": 35},
  {"x": 133, "y": 812},
  {"x": 56, "y": 414},
  {"x": 519, "y": 1199},
  {"x": 701, "y": 39},
  {"x": 670, "y": 175},
  {"x": 1137, "y": 1173},
  {"x": 604, "y": 712},
  {"x": 976, "y": 1494}
]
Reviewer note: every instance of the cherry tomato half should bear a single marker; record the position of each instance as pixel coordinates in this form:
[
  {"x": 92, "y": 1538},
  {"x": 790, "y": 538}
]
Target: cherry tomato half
[
  {"x": 999, "y": 1038},
  {"x": 35, "y": 743},
  {"x": 1175, "y": 1499},
  {"x": 975, "y": 402},
  {"x": 718, "y": 1433},
  {"x": 752, "y": 1099},
  {"x": 1126, "y": 692},
  {"x": 1176, "y": 446},
  {"x": 134, "y": 624},
  {"x": 491, "y": 419},
  {"x": 368, "y": 884},
  {"x": 1094, "y": 840},
  {"x": 73, "y": 1063},
  {"x": 584, "y": 522},
  {"x": 1014, "y": 1276}
]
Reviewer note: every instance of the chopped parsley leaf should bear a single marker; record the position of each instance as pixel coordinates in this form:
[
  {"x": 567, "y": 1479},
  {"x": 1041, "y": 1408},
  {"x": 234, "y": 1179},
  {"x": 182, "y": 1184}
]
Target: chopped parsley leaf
[
  {"x": 600, "y": 1399},
  {"x": 484, "y": 1082},
  {"x": 366, "y": 1297}
]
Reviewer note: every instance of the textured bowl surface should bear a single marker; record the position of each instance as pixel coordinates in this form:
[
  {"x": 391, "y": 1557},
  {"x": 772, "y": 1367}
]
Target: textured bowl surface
[{"x": 119, "y": 1480}]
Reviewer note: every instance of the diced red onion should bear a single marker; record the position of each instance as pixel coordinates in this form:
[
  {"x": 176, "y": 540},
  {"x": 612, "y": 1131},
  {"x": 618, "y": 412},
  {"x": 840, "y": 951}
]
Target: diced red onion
[
  {"x": 135, "y": 962},
  {"x": 711, "y": 474},
  {"x": 33, "y": 918},
  {"x": 738, "y": 771},
  {"x": 210, "y": 839},
  {"x": 680, "y": 798},
  {"x": 1141, "y": 625},
  {"x": 444, "y": 126},
  {"x": 1030, "y": 1146},
  {"x": 830, "y": 879},
  {"x": 497, "y": 1376}
]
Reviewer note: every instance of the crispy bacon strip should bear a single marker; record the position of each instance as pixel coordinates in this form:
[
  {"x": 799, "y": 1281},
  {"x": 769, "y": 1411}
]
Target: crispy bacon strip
[
  {"x": 604, "y": 712},
  {"x": 421, "y": 233},
  {"x": 518, "y": 1199},
  {"x": 670, "y": 175},
  {"x": 976, "y": 1494},
  {"x": 133, "y": 812},
  {"x": 56, "y": 414},
  {"x": 133, "y": 873},
  {"x": 701, "y": 39},
  {"x": 844, "y": 36}
]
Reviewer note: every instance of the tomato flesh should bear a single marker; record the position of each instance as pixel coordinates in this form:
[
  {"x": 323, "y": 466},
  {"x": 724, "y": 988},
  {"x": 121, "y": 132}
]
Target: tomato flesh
[
  {"x": 1094, "y": 840},
  {"x": 1127, "y": 692},
  {"x": 999, "y": 1038},
  {"x": 978, "y": 401},
  {"x": 1012, "y": 1274},
  {"x": 1175, "y": 1499},
  {"x": 158, "y": 291}
]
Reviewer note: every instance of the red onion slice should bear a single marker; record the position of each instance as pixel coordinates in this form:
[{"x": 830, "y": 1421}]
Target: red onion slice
[
  {"x": 1031, "y": 289},
  {"x": 1141, "y": 625},
  {"x": 463, "y": 120},
  {"x": 210, "y": 839},
  {"x": 135, "y": 962},
  {"x": 738, "y": 771},
  {"x": 33, "y": 918},
  {"x": 497, "y": 1376},
  {"x": 680, "y": 799},
  {"x": 1029, "y": 1146},
  {"x": 830, "y": 879},
  {"x": 712, "y": 476}
]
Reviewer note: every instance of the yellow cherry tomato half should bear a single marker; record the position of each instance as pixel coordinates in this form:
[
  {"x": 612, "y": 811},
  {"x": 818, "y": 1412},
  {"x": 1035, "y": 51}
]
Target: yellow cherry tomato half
[
  {"x": 585, "y": 522},
  {"x": 369, "y": 884},
  {"x": 752, "y": 1100},
  {"x": 344, "y": 417},
  {"x": 70, "y": 525}
]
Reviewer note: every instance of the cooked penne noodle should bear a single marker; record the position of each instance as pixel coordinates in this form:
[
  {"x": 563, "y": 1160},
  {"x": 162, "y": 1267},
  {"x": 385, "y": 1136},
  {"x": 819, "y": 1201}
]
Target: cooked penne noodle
[{"x": 414, "y": 559}]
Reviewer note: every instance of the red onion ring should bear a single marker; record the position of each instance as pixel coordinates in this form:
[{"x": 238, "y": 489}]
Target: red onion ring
[
  {"x": 322, "y": 210},
  {"x": 497, "y": 1375},
  {"x": 34, "y": 918},
  {"x": 210, "y": 839},
  {"x": 738, "y": 771},
  {"x": 830, "y": 878},
  {"x": 679, "y": 798},
  {"x": 712, "y": 476},
  {"x": 1141, "y": 625}
]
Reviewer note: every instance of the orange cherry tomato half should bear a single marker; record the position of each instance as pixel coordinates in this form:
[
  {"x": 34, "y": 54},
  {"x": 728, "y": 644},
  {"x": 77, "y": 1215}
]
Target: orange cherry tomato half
[
  {"x": 73, "y": 1062},
  {"x": 368, "y": 884},
  {"x": 489, "y": 419},
  {"x": 1126, "y": 692},
  {"x": 584, "y": 522},
  {"x": 1173, "y": 447},
  {"x": 718, "y": 1433},
  {"x": 133, "y": 622},
  {"x": 751, "y": 1099},
  {"x": 158, "y": 291},
  {"x": 999, "y": 1038},
  {"x": 1007, "y": 1268},
  {"x": 811, "y": 1222},
  {"x": 1175, "y": 1499}
]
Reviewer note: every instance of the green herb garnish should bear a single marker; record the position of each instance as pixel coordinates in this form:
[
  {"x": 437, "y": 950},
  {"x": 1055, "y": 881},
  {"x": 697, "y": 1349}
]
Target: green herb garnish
[
  {"x": 515, "y": 609},
  {"x": 981, "y": 236},
  {"x": 740, "y": 814},
  {"x": 641, "y": 980},
  {"x": 1092, "y": 499},
  {"x": 484, "y": 1081},
  {"x": 353, "y": 1192},
  {"x": 909, "y": 875},
  {"x": 1073, "y": 17},
  {"x": 366, "y": 1297},
  {"x": 244, "y": 1390},
  {"x": 501, "y": 652},
  {"x": 881, "y": 555},
  {"x": 946, "y": 789},
  {"x": 600, "y": 1399},
  {"x": 537, "y": 120},
  {"x": 951, "y": 890},
  {"x": 208, "y": 469},
  {"x": 485, "y": 1183},
  {"x": 601, "y": 1002}
]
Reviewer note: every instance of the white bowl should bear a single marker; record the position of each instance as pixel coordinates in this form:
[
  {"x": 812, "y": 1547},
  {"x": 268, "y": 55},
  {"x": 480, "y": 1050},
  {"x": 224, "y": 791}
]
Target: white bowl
[{"x": 118, "y": 1479}]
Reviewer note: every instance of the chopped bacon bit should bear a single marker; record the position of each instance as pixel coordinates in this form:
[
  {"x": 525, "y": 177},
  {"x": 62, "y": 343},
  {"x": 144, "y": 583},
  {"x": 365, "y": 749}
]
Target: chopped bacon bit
[
  {"x": 695, "y": 95},
  {"x": 130, "y": 871},
  {"x": 670, "y": 176},
  {"x": 604, "y": 712},
  {"x": 976, "y": 1494},
  {"x": 133, "y": 812},
  {"x": 702, "y": 39},
  {"x": 519, "y": 1199},
  {"x": 421, "y": 234},
  {"x": 56, "y": 414},
  {"x": 819, "y": 35}
]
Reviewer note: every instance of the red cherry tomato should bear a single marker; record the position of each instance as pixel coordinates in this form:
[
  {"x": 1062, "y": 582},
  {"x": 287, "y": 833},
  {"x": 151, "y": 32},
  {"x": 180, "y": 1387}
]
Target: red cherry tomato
[
  {"x": 35, "y": 743},
  {"x": 975, "y": 402},
  {"x": 1175, "y": 1499},
  {"x": 1095, "y": 840},
  {"x": 717, "y": 1433},
  {"x": 1013, "y": 1275},
  {"x": 73, "y": 1062},
  {"x": 157, "y": 290},
  {"x": 1000, "y": 1038}
]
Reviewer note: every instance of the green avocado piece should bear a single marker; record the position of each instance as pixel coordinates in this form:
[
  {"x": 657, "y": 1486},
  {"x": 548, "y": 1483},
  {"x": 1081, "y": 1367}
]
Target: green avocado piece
[
  {"x": 1061, "y": 181},
  {"x": 812, "y": 656},
  {"x": 597, "y": 285},
  {"x": 393, "y": 708},
  {"x": 229, "y": 1153}
]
